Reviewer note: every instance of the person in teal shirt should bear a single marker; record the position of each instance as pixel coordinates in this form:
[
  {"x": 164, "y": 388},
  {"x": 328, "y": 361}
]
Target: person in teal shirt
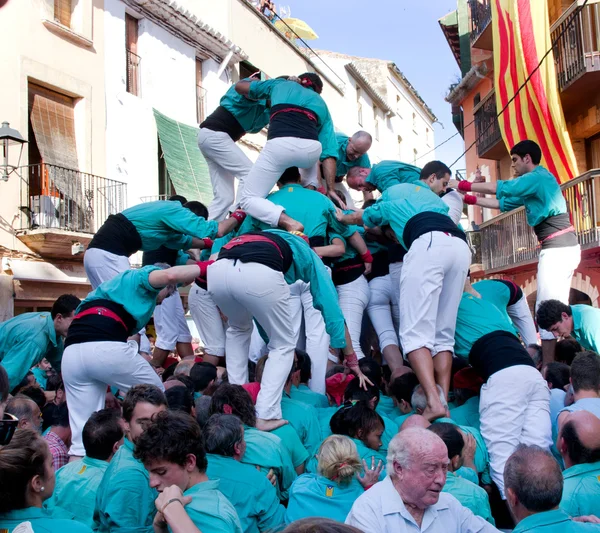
[
  {"x": 171, "y": 449},
  {"x": 579, "y": 447},
  {"x": 467, "y": 414},
  {"x": 103, "y": 324},
  {"x": 40, "y": 371},
  {"x": 352, "y": 152},
  {"x": 126, "y": 480},
  {"x": 301, "y": 391},
  {"x": 383, "y": 175},
  {"x": 546, "y": 210},
  {"x": 300, "y": 134},
  {"x": 528, "y": 469},
  {"x": 249, "y": 491},
  {"x": 27, "y": 481},
  {"x": 217, "y": 138},
  {"x": 77, "y": 482},
  {"x": 28, "y": 338}
]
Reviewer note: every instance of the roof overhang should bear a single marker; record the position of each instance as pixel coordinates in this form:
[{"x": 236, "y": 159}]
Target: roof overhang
[
  {"x": 409, "y": 86},
  {"x": 449, "y": 25},
  {"x": 369, "y": 89},
  {"x": 467, "y": 84}
]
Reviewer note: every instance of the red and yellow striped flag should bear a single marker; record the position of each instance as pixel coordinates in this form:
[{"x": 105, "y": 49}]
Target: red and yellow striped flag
[{"x": 521, "y": 38}]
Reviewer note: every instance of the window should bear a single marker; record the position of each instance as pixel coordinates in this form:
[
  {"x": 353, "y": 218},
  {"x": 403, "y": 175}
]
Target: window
[
  {"x": 376, "y": 120},
  {"x": 414, "y": 120},
  {"x": 62, "y": 12},
  {"x": 359, "y": 104},
  {"x": 427, "y": 136},
  {"x": 247, "y": 69},
  {"x": 165, "y": 185},
  {"x": 200, "y": 93},
  {"x": 399, "y": 147},
  {"x": 398, "y": 100},
  {"x": 415, "y": 156},
  {"x": 476, "y": 100},
  {"x": 133, "y": 59}
]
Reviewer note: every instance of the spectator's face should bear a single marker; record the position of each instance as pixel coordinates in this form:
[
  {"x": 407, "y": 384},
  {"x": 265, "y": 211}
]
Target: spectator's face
[
  {"x": 141, "y": 418},
  {"x": 48, "y": 479},
  {"x": 164, "y": 474},
  {"x": 563, "y": 328},
  {"x": 35, "y": 422},
  {"x": 421, "y": 482},
  {"x": 62, "y": 323},
  {"x": 373, "y": 439},
  {"x": 45, "y": 365}
]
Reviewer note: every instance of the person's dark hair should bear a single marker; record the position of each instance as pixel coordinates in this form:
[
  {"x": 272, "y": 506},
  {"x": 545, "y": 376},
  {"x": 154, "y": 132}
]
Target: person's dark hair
[
  {"x": 530, "y": 148},
  {"x": 171, "y": 437},
  {"x": 585, "y": 372},
  {"x": 335, "y": 369},
  {"x": 372, "y": 369},
  {"x": 198, "y": 208},
  {"x": 55, "y": 383},
  {"x": 238, "y": 399},
  {"x": 168, "y": 373},
  {"x": 65, "y": 305},
  {"x": 535, "y": 477},
  {"x": 403, "y": 386},
  {"x": 314, "y": 81},
  {"x": 100, "y": 433},
  {"x": 355, "y": 417},
  {"x": 4, "y": 385},
  {"x": 20, "y": 460},
  {"x": 566, "y": 350},
  {"x": 36, "y": 394},
  {"x": 60, "y": 416},
  {"x": 222, "y": 433},
  {"x": 578, "y": 453},
  {"x": 369, "y": 203},
  {"x": 203, "y": 410},
  {"x": 538, "y": 356},
  {"x": 354, "y": 392},
  {"x": 558, "y": 374},
  {"x": 142, "y": 393},
  {"x": 304, "y": 364},
  {"x": 319, "y": 525},
  {"x": 180, "y": 399},
  {"x": 550, "y": 312},
  {"x": 178, "y": 198},
  {"x": 451, "y": 436},
  {"x": 435, "y": 167},
  {"x": 290, "y": 175},
  {"x": 202, "y": 374},
  {"x": 187, "y": 381}
]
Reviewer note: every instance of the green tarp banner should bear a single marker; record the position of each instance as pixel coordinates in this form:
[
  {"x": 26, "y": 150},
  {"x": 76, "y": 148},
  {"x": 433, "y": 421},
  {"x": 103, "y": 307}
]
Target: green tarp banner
[{"x": 187, "y": 167}]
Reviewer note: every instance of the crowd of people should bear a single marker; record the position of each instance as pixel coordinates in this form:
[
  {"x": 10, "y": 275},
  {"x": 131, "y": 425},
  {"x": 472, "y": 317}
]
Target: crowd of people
[{"x": 352, "y": 378}]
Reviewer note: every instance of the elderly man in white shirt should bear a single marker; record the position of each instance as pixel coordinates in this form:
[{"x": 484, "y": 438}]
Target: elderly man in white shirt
[{"x": 410, "y": 498}]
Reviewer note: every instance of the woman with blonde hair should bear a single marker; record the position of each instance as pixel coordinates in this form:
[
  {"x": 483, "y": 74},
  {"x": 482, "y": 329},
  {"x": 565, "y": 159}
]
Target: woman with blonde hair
[{"x": 331, "y": 492}]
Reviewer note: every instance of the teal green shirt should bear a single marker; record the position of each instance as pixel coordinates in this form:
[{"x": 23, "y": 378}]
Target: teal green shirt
[
  {"x": 581, "y": 490},
  {"x": 400, "y": 419},
  {"x": 324, "y": 415},
  {"x": 292, "y": 443},
  {"x": 24, "y": 341},
  {"x": 386, "y": 407},
  {"x": 365, "y": 453},
  {"x": 253, "y": 115},
  {"x": 343, "y": 164},
  {"x": 290, "y": 92},
  {"x": 41, "y": 522},
  {"x": 537, "y": 190},
  {"x": 210, "y": 510},
  {"x": 586, "y": 326},
  {"x": 390, "y": 429},
  {"x": 493, "y": 291},
  {"x": 553, "y": 522},
  {"x": 315, "y": 495},
  {"x": 302, "y": 393},
  {"x": 467, "y": 414},
  {"x": 250, "y": 493},
  {"x": 408, "y": 201},
  {"x": 133, "y": 291},
  {"x": 40, "y": 376},
  {"x": 164, "y": 223},
  {"x": 266, "y": 451},
  {"x": 470, "y": 495},
  {"x": 75, "y": 491},
  {"x": 477, "y": 317},
  {"x": 386, "y": 174},
  {"x": 303, "y": 418},
  {"x": 125, "y": 501}
]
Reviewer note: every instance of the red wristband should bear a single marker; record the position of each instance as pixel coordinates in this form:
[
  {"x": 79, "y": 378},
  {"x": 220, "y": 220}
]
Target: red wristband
[
  {"x": 464, "y": 186},
  {"x": 351, "y": 361},
  {"x": 239, "y": 215},
  {"x": 322, "y": 190},
  {"x": 470, "y": 199},
  {"x": 203, "y": 266},
  {"x": 208, "y": 243},
  {"x": 367, "y": 257}
]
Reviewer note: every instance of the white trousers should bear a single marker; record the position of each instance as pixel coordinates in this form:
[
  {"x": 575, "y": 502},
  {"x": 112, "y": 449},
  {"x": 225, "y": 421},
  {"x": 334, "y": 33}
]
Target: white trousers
[
  {"x": 521, "y": 316},
  {"x": 384, "y": 315},
  {"x": 317, "y": 339},
  {"x": 88, "y": 368},
  {"x": 431, "y": 286},
  {"x": 246, "y": 290},
  {"x": 514, "y": 409},
  {"x": 277, "y": 155},
  {"x": 207, "y": 318},
  {"x": 225, "y": 161},
  {"x": 395, "y": 275},
  {"x": 554, "y": 274},
  {"x": 169, "y": 320},
  {"x": 258, "y": 347},
  {"x": 353, "y": 298},
  {"x": 100, "y": 265}
]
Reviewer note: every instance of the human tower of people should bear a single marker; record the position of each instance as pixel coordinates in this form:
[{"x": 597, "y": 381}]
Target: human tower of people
[{"x": 436, "y": 410}]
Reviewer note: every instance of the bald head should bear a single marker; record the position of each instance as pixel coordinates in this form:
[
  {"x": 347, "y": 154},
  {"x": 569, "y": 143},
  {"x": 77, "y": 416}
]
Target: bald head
[
  {"x": 26, "y": 410},
  {"x": 579, "y": 438},
  {"x": 360, "y": 142},
  {"x": 411, "y": 443},
  {"x": 169, "y": 384},
  {"x": 415, "y": 421},
  {"x": 184, "y": 367}
]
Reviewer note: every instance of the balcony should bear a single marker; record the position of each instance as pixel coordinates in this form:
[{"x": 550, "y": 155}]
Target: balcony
[
  {"x": 508, "y": 242},
  {"x": 576, "y": 38},
  {"x": 481, "y": 28},
  {"x": 60, "y": 207},
  {"x": 487, "y": 129}
]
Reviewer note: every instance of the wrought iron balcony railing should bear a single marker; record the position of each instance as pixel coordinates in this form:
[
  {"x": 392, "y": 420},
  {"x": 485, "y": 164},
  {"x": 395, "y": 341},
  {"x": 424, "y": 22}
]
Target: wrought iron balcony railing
[
  {"x": 487, "y": 128},
  {"x": 481, "y": 16},
  {"x": 54, "y": 197}
]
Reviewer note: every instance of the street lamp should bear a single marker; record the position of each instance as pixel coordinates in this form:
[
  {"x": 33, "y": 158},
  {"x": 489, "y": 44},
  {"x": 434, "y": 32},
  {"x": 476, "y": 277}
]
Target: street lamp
[{"x": 9, "y": 136}]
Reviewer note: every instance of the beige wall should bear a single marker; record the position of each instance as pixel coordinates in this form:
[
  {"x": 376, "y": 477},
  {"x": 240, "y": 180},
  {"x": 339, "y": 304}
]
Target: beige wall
[{"x": 34, "y": 48}]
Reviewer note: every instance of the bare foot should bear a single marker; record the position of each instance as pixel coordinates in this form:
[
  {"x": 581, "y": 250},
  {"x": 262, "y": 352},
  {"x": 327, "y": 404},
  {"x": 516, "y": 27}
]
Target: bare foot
[
  {"x": 289, "y": 224},
  {"x": 433, "y": 412},
  {"x": 269, "y": 425}
]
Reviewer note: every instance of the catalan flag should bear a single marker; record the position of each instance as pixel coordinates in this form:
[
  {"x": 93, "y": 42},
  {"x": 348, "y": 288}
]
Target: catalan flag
[{"x": 521, "y": 30}]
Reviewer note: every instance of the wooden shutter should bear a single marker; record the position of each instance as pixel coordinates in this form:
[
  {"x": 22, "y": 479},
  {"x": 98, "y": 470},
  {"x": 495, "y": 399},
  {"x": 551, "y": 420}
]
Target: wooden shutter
[
  {"x": 131, "y": 33},
  {"x": 133, "y": 60},
  {"x": 200, "y": 92},
  {"x": 62, "y": 12}
]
